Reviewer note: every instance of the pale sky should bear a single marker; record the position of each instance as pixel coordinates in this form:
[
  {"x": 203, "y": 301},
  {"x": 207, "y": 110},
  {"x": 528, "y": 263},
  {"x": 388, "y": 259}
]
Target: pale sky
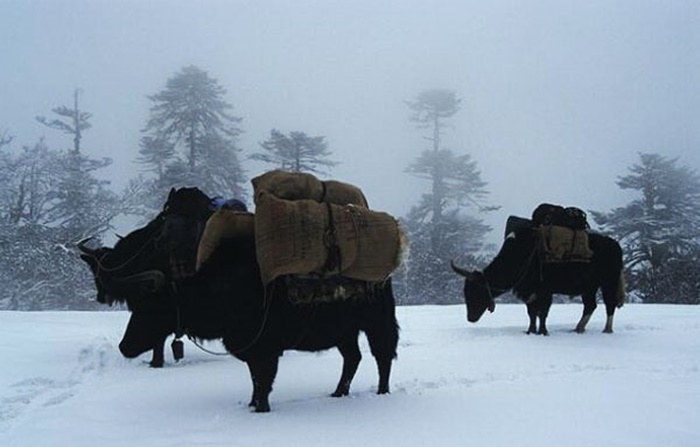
[{"x": 558, "y": 96}]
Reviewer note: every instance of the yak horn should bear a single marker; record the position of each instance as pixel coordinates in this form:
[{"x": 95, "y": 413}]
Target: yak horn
[
  {"x": 83, "y": 248},
  {"x": 460, "y": 271}
]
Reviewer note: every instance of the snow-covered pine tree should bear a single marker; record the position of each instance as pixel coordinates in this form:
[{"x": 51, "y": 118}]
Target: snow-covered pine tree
[
  {"x": 442, "y": 225},
  {"x": 659, "y": 230},
  {"x": 65, "y": 203},
  {"x": 39, "y": 271},
  {"x": 296, "y": 152},
  {"x": 190, "y": 140}
]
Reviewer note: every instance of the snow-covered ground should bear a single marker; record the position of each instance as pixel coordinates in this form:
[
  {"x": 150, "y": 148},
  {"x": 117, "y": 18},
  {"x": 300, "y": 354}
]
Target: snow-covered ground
[{"x": 64, "y": 383}]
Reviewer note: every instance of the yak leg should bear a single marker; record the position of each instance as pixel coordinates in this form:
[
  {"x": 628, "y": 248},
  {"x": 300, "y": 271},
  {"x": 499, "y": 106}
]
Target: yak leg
[
  {"x": 610, "y": 306},
  {"x": 544, "y": 303},
  {"x": 384, "y": 351},
  {"x": 158, "y": 355},
  {"x": 254, "y": 397},
  {"x": 613, "y": 298},
  {"x": 350, "y": 351},
  {"x": 608, "y": 325},
  {"x": 262, "y": 373},
  {"x": 383, "y": 338},
  {"x": 384, "y": 368},
  {"x": 538, "y": 307},
  {"x": 589, "y": 306},
  {"x": 532, "y": 313}
]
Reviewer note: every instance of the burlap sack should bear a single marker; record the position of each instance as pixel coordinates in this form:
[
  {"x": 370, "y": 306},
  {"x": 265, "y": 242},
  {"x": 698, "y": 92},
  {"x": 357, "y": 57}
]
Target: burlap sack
[
  {"x": 562, "y": 244},
  {"x": 305, "y": 237},
  {"x": 221, "y": 225},
  {"x": 288, "y": 186},
  {"x": 340, "y": 193},
  {"x": 370, "y": 243},
  {"x": 302, "y": 186},
  {"x": 289, "y": 236}
]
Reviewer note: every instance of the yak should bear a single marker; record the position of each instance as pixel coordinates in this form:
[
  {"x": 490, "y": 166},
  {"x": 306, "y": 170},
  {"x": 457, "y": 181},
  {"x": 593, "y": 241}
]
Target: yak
[
  {"x": 141, "y": 263},
  {"x": 225, "y": 299},
  {"x": 131, "y": 268},
  {"x": 519, "y": 266}
]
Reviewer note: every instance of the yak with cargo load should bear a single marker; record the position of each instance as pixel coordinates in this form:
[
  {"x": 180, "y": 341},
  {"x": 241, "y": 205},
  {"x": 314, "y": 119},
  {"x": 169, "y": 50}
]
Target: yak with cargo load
[
  {"x": 534, "y": 266},
  {"x": 226, "y": 299}
]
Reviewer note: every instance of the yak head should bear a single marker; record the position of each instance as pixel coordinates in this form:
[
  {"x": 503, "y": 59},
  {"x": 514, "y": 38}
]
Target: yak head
[
  {"x": 477, "y": 293},
  {"x": 230, "y": 278},
  {"x": 153, "y": 318},
  {"x": 511, "y": 266},
  {"x": 133, "y": 267}
]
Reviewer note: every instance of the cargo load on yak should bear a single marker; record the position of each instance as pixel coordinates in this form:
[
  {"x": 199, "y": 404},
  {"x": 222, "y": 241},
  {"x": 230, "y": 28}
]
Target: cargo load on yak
[
  {"x": 571, "y": 217},
  {"x": 225, "y": 223},
  {"x": 322, "y": 234},
  {"x": 302, "y": 186},
  {"x": 562, "y": 232}
]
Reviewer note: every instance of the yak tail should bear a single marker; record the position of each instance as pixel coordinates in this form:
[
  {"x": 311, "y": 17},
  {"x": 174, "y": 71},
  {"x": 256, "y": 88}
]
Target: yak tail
[{"x": 621, "y": 291}]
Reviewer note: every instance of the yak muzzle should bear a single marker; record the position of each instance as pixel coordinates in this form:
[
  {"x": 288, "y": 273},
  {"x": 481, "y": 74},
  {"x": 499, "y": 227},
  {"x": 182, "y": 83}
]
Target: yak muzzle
[{"x": 128, "y": 351}]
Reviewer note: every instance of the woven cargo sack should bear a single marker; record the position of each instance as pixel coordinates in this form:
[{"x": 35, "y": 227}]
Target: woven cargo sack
[
  {"x": 289, "y": 236},
  {"x": 339, "y": 193},
  {"x": 288, "y": 186},
  {"x": 302, "y": 186},
  {"x": 221, "y": 225},
  {"x": 303, "y": 237},
  {"x": 370, "y": 243},
  {"x": 562, "y": 244}
]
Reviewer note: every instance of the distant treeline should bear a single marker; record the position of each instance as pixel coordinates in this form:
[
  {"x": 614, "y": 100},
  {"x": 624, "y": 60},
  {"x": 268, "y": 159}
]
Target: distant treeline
[{"x": 51, "y": 198}]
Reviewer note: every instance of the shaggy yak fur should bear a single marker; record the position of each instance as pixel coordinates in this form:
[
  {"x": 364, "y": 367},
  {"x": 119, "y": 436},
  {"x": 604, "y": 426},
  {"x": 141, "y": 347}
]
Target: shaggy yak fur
[
  {"x": 226, "y": 300},
  {"x": 134, "y": 267},
  {"x": 142, "y": 262},
  {"x": 519, "y": 267}
]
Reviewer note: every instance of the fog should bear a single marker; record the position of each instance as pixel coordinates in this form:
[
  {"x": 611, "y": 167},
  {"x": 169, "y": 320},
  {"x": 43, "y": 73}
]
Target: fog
[{"x": 558, "y": 96}]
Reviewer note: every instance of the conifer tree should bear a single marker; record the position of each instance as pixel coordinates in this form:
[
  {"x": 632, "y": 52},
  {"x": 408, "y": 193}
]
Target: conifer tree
[
  {"x": 660, "y": 229},
  {"x": 442, "y": 226},
  {"x": 60, "y": 201},
  {"x": 84, "y": 207},
  {"x": 295, "y": 152},
  {"x": 190, "y": 139}
]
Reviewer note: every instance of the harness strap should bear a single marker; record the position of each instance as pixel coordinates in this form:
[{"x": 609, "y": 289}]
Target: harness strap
[
  {"x": 194, "y": 341},
  {"x": 333, "y": 260},
  {"x": 521, "y": 278}
]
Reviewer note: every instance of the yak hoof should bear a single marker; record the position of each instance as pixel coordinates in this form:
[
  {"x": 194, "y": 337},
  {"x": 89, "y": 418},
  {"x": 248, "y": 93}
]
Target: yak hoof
[
  {"x": 260, "y": 407},
  {"x": 340, "y": 393},
  {"x": 383, "y": 391},
  {"x": 156, "y": 364},
  {"x": 607, "y": 331}
]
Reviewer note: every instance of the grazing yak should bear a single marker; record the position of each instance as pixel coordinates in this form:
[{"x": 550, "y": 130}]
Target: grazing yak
[
  {"x": 519, "y": 266},
  {"x": 225, "y": 299},
  {"x": 135, "y": 266},
  {"x": 142, "y": 263}
]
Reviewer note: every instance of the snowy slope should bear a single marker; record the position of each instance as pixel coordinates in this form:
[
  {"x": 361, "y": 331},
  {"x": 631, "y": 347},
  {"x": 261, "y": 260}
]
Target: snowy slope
[{"x": 63, "y": 383}]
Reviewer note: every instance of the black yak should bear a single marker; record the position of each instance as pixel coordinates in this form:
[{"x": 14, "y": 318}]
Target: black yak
[
  {"x": 519, "y": 267},
  {"x": 135, "y": 266},
  {"x": 143, "y": 263},
  {"x": 226, "y": 300}
]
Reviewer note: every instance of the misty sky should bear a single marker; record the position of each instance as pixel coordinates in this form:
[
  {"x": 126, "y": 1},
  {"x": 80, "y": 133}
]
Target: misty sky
[{"x": 558, "y": 97}]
